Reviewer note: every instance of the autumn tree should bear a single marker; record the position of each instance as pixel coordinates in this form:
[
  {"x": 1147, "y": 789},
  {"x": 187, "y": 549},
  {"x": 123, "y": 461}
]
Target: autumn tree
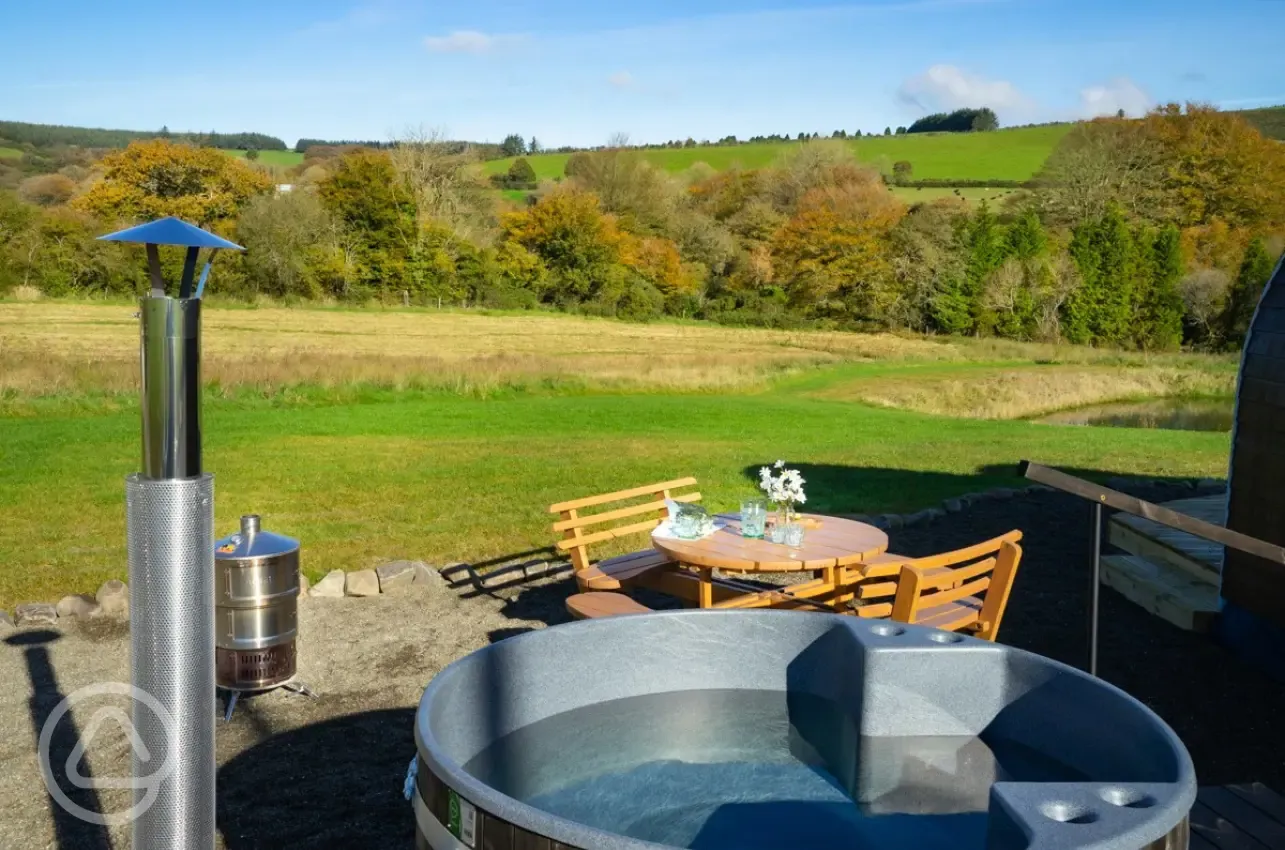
[
  {"x": 295, "y": 247},
  {"x": 1204, "y": 297},
  {"x": 1217, "y": 166},
  {"x": 366, "y": 196},
  {"x": 570, "y": 233},
  {"x": 158, "y": 178},
  {"x": 444, "y": 182},
  {"x": 643, "y": 196},
  {"x": 832, "y": 255},
  {"x": 47, "y": 190},
  {"x": 1098, "y": 164}
]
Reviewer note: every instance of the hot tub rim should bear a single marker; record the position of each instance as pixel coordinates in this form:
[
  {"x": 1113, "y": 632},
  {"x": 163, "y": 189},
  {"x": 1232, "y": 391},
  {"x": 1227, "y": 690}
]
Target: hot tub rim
[{"x": 1166, "y": 816}]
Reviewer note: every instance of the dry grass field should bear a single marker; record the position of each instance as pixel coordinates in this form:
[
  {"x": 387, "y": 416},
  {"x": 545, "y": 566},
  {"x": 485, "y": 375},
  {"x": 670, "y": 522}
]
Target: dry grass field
[
  {"x": 1019, "y": 392},
  {"x": 69, "y": 349}
]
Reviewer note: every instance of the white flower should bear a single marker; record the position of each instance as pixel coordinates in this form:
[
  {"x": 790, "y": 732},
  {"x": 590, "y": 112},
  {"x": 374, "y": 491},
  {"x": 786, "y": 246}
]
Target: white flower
[{"x": 785, "y": 487}]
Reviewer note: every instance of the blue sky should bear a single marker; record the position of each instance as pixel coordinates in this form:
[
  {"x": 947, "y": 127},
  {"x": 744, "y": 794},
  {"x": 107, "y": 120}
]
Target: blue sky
[{"x": 578, "y": 71}]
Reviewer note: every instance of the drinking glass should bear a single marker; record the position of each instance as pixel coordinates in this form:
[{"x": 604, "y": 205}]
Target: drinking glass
[
  {"x": 793, "y": 534},
  {"x": 753, "y": 517}
]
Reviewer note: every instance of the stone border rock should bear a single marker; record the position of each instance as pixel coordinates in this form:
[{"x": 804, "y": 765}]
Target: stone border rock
[{"x": 401, "y": 578}]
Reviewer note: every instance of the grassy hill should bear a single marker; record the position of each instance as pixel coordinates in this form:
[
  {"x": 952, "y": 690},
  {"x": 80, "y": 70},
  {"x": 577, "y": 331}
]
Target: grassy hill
[
  {"x": 1002, "y": 155},
  {"x": 10, "y": 153},
  {"x": 283, "y": 158}
]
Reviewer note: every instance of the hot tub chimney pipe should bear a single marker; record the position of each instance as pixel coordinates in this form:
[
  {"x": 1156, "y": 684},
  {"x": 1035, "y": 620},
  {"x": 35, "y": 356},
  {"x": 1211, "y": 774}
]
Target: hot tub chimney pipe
[{"x": 170, "y": 527}]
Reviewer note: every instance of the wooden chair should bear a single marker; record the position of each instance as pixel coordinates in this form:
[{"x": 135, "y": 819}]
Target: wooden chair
[
  {"x": 644, "y": 509},
  {"x": 965, "y": 590}
]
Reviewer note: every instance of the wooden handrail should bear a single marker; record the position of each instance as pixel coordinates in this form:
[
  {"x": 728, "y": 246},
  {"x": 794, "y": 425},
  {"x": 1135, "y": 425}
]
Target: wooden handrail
[{"x": 1148, "y": 510}]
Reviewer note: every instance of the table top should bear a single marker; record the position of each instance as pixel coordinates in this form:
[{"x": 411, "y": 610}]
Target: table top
[{"x": 836, "y": 543}]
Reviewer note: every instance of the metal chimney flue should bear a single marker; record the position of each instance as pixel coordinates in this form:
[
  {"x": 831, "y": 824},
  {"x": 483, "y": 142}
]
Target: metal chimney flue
[
  {"x": 170, "y": 528},
  {"x": 171, "y": 390}
]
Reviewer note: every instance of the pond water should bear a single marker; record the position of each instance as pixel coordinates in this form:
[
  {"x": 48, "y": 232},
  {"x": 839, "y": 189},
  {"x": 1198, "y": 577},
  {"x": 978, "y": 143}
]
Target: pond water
[{"x": 1177, "y": 414}]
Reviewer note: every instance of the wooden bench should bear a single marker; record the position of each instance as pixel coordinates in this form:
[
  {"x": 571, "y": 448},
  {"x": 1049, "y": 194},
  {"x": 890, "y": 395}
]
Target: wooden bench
[
  {"x": 643, "y": 511},
  {"x": 588, "y": 606}
]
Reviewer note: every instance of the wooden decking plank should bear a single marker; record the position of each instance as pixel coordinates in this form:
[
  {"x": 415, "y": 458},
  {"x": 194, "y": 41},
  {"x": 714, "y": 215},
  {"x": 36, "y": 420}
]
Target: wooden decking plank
[
  {"x": 1220, "y": 832},
  {"x": 1199, "y": 843},
  {"x": 1247, "y": 817},
  {"x": 1264, "y": 799},
  {"x": 1169, "y": 593},
  {"x": 1157, "y": 542}
]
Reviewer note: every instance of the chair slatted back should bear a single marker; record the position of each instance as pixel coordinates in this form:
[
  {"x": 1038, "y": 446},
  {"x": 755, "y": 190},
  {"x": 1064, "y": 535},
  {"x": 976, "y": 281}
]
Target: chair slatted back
[
  {"x": 645, "y": 510},
  {"x": 967, "y": 589}
]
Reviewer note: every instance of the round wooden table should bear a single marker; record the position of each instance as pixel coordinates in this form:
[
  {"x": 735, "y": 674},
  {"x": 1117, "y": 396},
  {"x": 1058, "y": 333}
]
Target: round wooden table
[{"x": 831, "y": 544}]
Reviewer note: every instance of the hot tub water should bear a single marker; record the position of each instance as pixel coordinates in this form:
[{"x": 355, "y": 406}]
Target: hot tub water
[{"x": 755, "y": 769}]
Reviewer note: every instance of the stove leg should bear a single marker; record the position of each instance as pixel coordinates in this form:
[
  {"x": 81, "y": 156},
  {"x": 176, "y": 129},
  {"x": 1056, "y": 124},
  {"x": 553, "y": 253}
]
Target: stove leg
[
  {"x": 232, "y": 698},
  {"x": 299, "y": 688}
]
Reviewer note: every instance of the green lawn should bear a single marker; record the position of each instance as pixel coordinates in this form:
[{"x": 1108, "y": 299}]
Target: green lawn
[
  {"x": 286, "y": 158},
  {"x": 1002, "y": 155},
  {"x": 10, "y": 153},
  {"x": 446, "y": 477}
]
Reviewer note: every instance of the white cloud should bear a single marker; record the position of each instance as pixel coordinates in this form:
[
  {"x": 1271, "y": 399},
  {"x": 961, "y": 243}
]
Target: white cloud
[
  {"x": 1110, "y": 98},
  {"x": 621, "y": 79},
  {"x": 468, "y": 41},
  {"x": 946, "y": 87}
]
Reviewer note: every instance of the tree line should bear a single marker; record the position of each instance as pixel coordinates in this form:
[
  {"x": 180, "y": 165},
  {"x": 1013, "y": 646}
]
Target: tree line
[
  {"x": 49, "y": 135},
  {"x": 959, "y": 121},
  {"x": 1148, "y": 234}
]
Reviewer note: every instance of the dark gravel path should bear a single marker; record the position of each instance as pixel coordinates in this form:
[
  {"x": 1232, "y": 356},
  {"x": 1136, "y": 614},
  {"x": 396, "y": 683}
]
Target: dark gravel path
[{"x": 1228, "y": 713}]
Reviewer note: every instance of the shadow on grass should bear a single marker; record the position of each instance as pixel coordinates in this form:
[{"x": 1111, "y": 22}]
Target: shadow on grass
[{"x": 841, "y": 489}]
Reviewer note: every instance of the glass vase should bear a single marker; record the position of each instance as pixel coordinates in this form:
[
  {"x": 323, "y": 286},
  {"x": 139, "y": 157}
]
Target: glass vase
[{"x": 782, "y": 515}]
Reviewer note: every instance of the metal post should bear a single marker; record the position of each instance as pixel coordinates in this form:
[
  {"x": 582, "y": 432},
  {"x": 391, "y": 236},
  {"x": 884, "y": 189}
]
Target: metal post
[{"x": 1095, "y": 588}]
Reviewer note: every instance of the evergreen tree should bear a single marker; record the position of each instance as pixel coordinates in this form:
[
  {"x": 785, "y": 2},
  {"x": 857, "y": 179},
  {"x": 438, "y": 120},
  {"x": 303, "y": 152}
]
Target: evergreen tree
[
  {"x": 513, "y": 145},
  {"x": 951, "y": 309},
  {"x": 1026, "y": 238},
  {"x": 1255, "y": 270},
  {"x": 984, "y": 243},
  {"x": 520, "y": 175},
  {"x": 1101, "y": 311},
  {"x": 1159, "y": 306},
  {"x": 533, "y": 146},
  {"x": 887, "y": 131}
]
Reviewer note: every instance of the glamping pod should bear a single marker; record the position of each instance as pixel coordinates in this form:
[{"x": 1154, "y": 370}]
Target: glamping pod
[{"x": 1253, "y": 589}]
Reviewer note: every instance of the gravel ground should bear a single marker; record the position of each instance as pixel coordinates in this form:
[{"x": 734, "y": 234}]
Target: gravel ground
[
  {"x": 327, "y": 772},
  {"x": 294, "y": 771}
]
